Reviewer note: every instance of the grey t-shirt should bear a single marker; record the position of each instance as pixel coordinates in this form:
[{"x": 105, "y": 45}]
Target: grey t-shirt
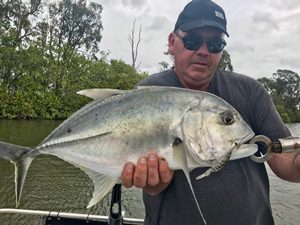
[{"x": 239, "y": 193}]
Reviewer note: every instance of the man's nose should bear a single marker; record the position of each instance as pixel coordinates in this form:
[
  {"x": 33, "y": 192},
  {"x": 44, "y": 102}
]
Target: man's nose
[{"x": 203, "y": 50}]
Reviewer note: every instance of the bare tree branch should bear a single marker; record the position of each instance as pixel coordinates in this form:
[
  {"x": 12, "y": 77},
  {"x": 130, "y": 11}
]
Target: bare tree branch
[{"x": 135, "y": 45}]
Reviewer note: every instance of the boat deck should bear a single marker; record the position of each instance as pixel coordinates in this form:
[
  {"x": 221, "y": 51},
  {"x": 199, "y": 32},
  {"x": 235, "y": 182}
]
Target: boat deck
[{"x": 64, "y": 218}]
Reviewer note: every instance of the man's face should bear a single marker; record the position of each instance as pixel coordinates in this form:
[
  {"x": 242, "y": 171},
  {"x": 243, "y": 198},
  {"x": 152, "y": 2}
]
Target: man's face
[{"x": 194, "y": 68}]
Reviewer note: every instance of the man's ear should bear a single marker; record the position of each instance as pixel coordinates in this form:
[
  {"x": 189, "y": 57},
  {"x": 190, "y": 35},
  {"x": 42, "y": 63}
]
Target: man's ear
[{"x": 171, "y": 43}]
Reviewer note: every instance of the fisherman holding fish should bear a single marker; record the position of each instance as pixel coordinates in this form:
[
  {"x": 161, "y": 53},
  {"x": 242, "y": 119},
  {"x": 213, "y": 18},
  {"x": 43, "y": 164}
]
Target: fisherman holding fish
[
  {"x": 190, "y": 122},
  {"x": 239, "y": 193}
]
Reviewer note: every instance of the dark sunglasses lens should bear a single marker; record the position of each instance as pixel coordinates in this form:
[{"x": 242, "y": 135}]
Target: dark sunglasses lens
[
  {"x": 216, "y": 46},
  {"x": 192, "y": 42}
]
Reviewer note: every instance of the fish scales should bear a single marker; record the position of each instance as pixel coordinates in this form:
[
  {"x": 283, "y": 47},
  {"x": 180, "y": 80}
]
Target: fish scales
[{"x": 132, "y": 117}]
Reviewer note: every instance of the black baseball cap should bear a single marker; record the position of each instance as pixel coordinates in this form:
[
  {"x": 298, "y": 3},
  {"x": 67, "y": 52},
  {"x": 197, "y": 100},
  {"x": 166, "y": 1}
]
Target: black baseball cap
[{"x": 201, "y": 13}]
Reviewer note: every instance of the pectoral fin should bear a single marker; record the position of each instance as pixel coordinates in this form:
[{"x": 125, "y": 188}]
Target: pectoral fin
[{"x": 180, "y": 158}]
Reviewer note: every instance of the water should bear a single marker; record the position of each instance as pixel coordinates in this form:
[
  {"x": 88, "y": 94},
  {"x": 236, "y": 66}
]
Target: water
[
  {"x": 51, "y": 184},
  {"x": 55, "y": 185}
]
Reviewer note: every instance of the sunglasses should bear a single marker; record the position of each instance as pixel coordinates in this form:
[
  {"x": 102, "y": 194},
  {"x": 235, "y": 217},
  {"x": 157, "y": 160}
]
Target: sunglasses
[{"x": 191, "y": 41}]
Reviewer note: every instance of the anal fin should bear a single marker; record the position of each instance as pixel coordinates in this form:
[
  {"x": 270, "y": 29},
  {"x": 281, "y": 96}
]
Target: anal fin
[{"x": 102, "y": 185}]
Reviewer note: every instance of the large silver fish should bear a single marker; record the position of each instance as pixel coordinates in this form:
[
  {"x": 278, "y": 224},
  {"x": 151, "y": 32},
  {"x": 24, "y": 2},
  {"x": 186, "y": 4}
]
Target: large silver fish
[{"x": 188, "y": 128}]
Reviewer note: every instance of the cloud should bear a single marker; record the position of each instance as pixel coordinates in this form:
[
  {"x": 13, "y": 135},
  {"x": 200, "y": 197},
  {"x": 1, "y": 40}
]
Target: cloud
[
  {"x": 284, "y": 4},
  {"x": 264, "y": 34},
  {"x": 263, "y": 21},
  {"x": 159, "y": 23},
  {"x": 104, "y": 2},
  {"x": 290, "y": 23},
  {"x": 240, "y": 47},
  {"x": 290, "y": 61},
  {"x": 134, "y": 3}
]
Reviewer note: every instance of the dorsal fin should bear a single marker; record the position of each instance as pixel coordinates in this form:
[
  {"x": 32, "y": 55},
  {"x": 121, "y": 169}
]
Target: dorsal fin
[
  {"x": 145, "y": 87},
  {"x": 98, "y": 93}
]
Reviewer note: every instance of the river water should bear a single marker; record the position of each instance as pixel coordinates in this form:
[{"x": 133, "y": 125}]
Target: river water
[{"x": 55, "y": 185}]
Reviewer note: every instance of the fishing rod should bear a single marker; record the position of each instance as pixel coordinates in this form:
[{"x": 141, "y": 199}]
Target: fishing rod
[{"x": 115, "y": 212}]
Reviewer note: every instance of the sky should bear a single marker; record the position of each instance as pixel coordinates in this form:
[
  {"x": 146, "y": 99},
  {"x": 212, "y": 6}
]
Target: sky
[{"x": 264, "y": 34}]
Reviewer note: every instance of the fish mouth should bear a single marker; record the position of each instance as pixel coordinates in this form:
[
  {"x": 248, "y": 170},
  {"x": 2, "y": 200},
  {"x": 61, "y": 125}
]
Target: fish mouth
[
  {"x": 242, "y": 149},
  {"x": 245, "y": 139}
]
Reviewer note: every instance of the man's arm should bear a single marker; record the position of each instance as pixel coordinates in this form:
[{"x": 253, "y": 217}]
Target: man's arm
[
  {"x": 267, "y": 122},
  {"x": 286, "y": 166},
  {"x": 151, "y": 173}
]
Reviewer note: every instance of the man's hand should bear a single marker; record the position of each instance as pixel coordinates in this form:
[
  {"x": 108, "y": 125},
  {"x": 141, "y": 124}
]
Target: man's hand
[
  {"x": 286, "y": 166},
  {"x": 151, "y": 173}
]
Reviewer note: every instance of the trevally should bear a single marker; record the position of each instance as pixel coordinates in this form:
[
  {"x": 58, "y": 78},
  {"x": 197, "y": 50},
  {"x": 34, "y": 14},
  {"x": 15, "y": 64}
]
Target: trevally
[{"x": 188, "y": 128}]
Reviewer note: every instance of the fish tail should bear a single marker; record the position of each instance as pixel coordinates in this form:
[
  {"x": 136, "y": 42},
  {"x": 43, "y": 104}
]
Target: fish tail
[{"x": 21, "y": 157}]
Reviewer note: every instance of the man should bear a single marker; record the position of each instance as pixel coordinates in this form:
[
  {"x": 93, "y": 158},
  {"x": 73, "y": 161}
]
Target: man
[{"x": 239, "y": 193}]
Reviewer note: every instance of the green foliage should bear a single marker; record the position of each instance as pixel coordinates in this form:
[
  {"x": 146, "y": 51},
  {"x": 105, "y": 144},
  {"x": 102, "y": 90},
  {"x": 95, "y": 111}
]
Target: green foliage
[
  {"x": 225, "y": 62},
  {"x": 44, "y": 63},
  {"x": 284, "y": 87},
  {"x": 73, "y": 25},
  {"x": 47, "y": 89}
]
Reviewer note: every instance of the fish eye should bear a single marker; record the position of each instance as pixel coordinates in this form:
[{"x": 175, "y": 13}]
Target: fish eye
[{"x": 227, "y": 117}]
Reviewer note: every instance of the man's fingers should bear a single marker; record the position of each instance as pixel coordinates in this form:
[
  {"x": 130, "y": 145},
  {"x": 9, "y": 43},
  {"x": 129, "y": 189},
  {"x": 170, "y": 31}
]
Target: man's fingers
[
  {"x": 165, "y": 173},
  {"x": 151, "y": 173},
  {"x": 153, "y": 176},
  {"x": 127, "y": 175},
  {"x": 296, "y": 155},
  {"x": 141, "y": 173}
]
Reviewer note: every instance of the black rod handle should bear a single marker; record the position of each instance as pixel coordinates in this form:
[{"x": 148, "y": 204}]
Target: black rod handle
[{"x": 115, "y": 213}]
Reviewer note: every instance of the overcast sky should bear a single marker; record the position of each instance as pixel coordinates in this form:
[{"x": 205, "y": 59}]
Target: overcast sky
[{"x": 264, "y": 34}]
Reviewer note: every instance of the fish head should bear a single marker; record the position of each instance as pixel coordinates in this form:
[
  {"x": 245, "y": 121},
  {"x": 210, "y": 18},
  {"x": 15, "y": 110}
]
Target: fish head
[{"x": 216, "y": 132}]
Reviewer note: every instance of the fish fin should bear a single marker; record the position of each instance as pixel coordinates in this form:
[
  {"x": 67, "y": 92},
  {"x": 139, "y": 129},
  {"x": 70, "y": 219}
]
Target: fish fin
[
  {"x": 21, "y": 169},
  {"x": 180, "y": 158},
  {"x": 102, "y": 185},
  {"x": 244, "y": 151},
  {"x": 98, "y": 93},
  {"x": 73, "y": 140},
  {"x": 145, "y": 87},
  {"x": 19, "y": 156}
]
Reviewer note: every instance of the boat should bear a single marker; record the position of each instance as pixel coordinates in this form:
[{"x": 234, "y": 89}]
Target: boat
[{"x": 65, "y": 218}]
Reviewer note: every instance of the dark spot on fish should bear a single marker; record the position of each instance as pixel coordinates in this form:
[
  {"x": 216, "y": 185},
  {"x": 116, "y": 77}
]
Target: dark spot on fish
[{"x": 69, "y": 130}]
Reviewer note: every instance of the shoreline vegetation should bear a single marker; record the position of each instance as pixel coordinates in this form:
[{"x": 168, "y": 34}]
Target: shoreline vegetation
[
  {"x": 50, "y": 51},
  {"x": 32, "y": 101}
]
